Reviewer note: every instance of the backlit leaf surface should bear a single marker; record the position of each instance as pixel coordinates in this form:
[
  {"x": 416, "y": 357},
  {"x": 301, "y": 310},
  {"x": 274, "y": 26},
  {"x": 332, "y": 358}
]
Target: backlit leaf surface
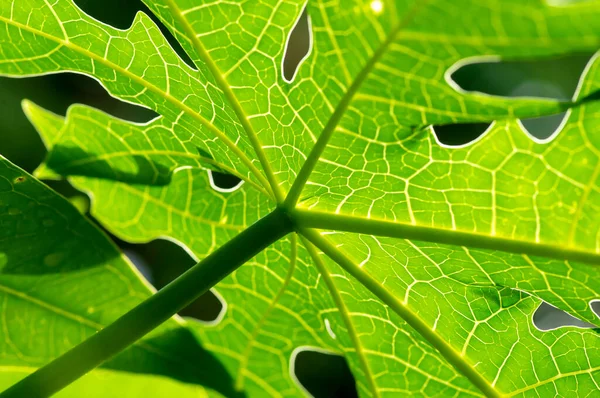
[{"x": 349, "y": 143}]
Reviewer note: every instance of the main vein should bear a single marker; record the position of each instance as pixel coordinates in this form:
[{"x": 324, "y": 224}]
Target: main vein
[
  {"x": 337, "y": 298},
  {"x": 340, "y": 110},
  {"x": 339, "y": 222},
  {"x": 141, "y": 81},
  {"x": 228, "y": 92},
  {"x": 445, "y": 349},
  {"x": 153, "y": 311}
]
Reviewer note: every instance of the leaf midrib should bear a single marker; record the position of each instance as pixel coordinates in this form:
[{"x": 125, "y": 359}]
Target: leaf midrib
[
  {"x": 497, "y": 41},
  {"x": 81, "y": 320},
  {"x": 370, "y": 226},
  {"x": 339, "y": 302},
  {"x": 176, "y": 102},
  {"x": 228, "y": 92},
  {"x": 340, "y": 110},
  {"x": 445, "y": 349}
]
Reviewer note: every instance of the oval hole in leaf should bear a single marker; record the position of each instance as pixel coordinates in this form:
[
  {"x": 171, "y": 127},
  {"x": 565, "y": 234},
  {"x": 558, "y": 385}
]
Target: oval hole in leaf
[
  {"x": 548, "y": 317},
  {"x": 524, "y": 78},
  {"x": 104, "y": 11},
  {"x": 457, "y": 135},
  {"x": 224, "y": 182},
  {"x": 160, "y": 262},
  {"x": 323, "y": 374},
  {"x": 297, "y": 47}
]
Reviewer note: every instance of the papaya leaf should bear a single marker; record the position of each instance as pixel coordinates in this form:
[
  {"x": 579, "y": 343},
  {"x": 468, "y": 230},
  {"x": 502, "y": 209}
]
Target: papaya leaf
[
  {"x": 62, "y": 279},
  {"x": 421, "y": 264}
]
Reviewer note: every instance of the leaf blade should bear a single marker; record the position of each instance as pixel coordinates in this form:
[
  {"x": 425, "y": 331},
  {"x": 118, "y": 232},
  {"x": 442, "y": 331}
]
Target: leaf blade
[{"x": 63, "y": 277}]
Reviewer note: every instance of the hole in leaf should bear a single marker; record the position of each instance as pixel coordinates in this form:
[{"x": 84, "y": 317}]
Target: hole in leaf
[
  {"x": 595, "y": 306},
  {"x": 530, "y": 78},
  {"x": 456, "y": 135},
  {"x": 322, "y": 374},
  {"x": 140, "y": 263},
  {"x": 524, "y": 78},
  {"x": 548, "y": 317},
  {"x": 224, "y": 182},
  {"x": 104, "y": 11},
  {"x": 297, "y": 47},
  {"x": 160, "y": 262},
  {"x": 544, "y": 127}
]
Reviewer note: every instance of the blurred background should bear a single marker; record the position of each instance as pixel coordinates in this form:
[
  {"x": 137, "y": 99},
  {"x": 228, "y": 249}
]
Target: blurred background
[{"x": 161, "y": 261}]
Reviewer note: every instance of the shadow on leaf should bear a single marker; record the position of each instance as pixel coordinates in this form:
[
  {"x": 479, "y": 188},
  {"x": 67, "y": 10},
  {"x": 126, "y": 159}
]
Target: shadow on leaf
[
  {"x": 181, "y": 358},
  {"x": 74, "y": 161}
]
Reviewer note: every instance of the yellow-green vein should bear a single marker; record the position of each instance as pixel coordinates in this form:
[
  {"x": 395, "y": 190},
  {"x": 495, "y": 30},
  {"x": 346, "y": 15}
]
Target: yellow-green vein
[
  {"x": 340, "y": 110},
  {"x": 339, "y": 222},
  {"x": 68, "y": 44},
  {"x": 446, "y": 350},
  {"x": 228, "y": 92},
  {"x": 239, "y": 382},
  {"x": 339, "y": 302}
]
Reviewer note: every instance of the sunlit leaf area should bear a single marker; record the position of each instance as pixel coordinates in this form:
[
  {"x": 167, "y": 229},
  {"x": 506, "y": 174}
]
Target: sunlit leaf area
[{"x": 291, "y": 198}]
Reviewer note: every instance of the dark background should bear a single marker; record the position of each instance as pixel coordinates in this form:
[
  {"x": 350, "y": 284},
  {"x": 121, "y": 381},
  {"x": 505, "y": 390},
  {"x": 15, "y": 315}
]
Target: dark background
[{"x": 321, "y": 374}]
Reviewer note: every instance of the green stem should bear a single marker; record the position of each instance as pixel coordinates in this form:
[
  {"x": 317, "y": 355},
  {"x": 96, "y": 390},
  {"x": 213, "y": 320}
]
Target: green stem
[{"x": 155, "y": 310}]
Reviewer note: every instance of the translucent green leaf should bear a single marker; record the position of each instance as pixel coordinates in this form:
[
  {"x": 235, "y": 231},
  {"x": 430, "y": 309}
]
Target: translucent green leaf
[
  {"x": 421, "y": 264},
  {"x": 61, "y": 280}
]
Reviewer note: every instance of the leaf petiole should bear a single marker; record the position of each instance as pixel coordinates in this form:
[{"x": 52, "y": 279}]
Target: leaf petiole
[{"x": 142, "y": 319}]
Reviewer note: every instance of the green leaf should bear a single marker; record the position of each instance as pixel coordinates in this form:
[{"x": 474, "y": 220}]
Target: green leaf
[
  {"x": 61, "y": 37},
  {"x": 101, "y": 383},
  {"x": 61, "y": 280},
  {"x": 421, "y": 264}
]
